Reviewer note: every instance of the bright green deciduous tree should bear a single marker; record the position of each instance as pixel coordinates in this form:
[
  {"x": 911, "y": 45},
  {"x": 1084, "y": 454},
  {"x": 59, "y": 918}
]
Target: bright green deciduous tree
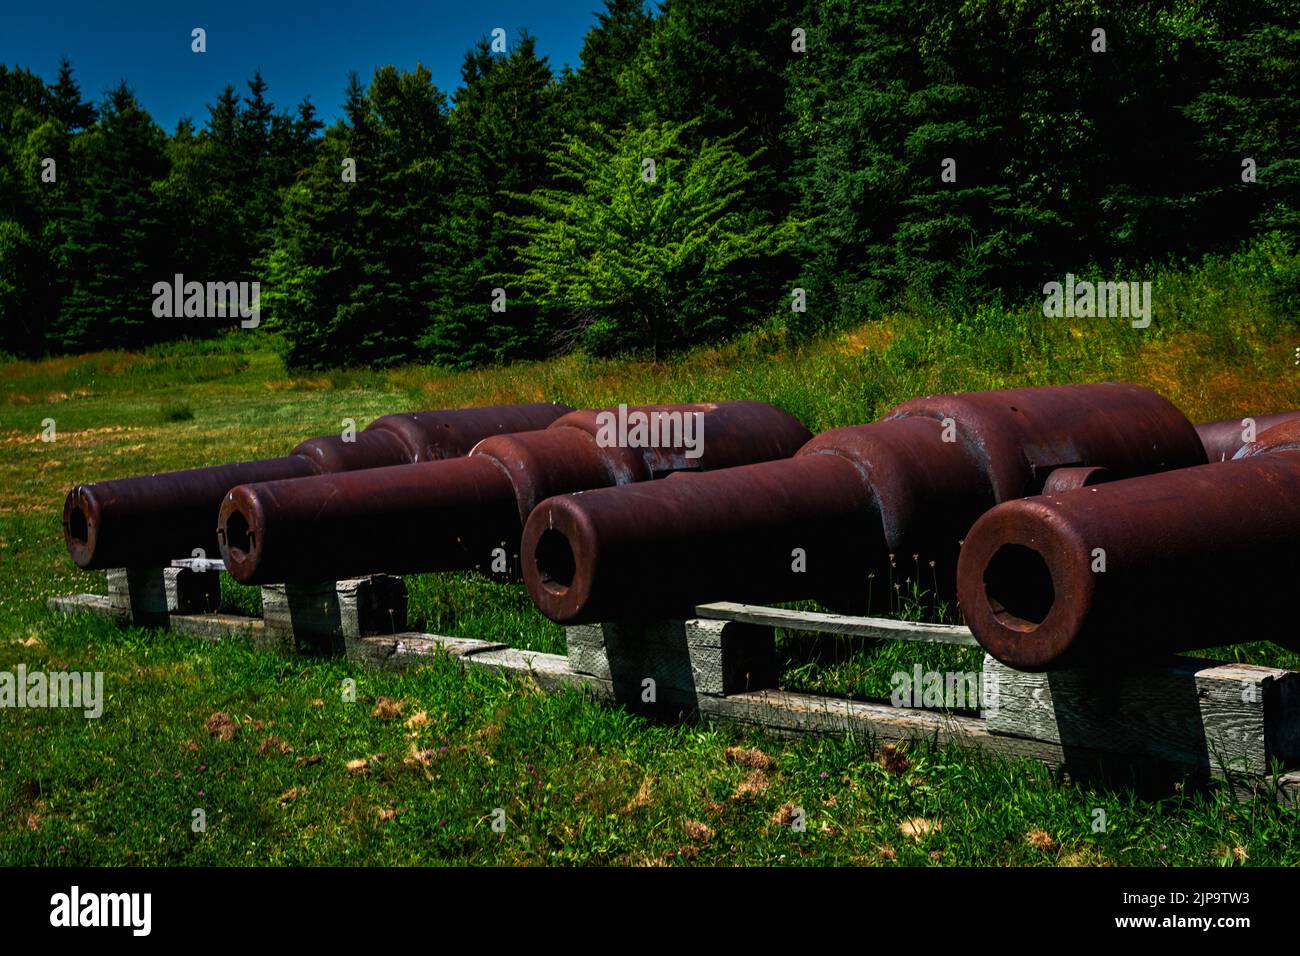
[{"x": 641, "y": 256}]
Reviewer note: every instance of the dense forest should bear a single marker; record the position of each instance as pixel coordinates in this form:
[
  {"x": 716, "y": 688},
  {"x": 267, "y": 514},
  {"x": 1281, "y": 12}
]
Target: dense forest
[{"x": 710, "y": 166}]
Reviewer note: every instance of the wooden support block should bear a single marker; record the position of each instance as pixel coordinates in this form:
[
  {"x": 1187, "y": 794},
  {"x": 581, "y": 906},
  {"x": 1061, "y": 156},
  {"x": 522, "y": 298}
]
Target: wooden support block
[
  {"x": 323, "y": 617},
  {"x": 148, "y": 596},
  {"x": 1215, "y": 718},
  {"x": 684, "y": 659}
]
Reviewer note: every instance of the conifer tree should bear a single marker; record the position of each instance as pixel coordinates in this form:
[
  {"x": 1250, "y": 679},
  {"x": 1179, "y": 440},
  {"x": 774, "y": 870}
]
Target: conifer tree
[{"x": 116, "y": 249}]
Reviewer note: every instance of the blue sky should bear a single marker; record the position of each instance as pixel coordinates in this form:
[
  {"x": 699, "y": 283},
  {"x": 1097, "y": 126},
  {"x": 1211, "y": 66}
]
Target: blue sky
[{"x": 301, "y": 47}]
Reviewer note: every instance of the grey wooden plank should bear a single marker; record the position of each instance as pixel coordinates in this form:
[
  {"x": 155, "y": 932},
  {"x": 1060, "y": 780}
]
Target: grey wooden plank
[
  {"x": 794, "y": 715},
  {"x": 816, "y": 713},
  {"x": 1218, "y": 717},
  {"x": 398, "y": 651},
  {"x": 551, "y": 671},
  {"x": 822, "y": 623},
  {"x": 216, "y": 627},
  {"x": 199, "y": 564},
  {"x": 85, "y": 604},
  {"x": 213, "y": 626}
]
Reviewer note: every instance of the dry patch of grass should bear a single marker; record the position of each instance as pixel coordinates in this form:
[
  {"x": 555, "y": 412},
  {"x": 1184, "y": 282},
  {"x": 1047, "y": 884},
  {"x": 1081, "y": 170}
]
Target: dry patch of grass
[
  {"x": 752, "y": 758},
  {"x": 387, "y": 709},
  {"x": 918, "y": 828},
  {"x": 222, "y": 726},
  {"x": 1040, "y": 839},
  {"x": 698, "y": 832},
  {"x": 642, "y": 797},
  {"x": 892, "y": 758},
  {"x": 754, "y": 785}
]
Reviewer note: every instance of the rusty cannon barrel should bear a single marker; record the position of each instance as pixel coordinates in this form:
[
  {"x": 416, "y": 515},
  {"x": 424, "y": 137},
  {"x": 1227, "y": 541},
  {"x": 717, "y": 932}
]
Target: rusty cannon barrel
[
  {"x": 1223, "y": 439},
  {"x": 151, "y": 519},
  {"x": 1283, "y": 437},
  {"x": 1163, "y": 563},
  {"x": 854, "y": 512},
  {"x": 468, "y": 514}
]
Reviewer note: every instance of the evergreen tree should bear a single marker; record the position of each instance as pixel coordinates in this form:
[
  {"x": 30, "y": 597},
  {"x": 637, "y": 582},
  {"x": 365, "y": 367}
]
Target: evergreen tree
[
  {"x": 502, "y": 125},
  {"x": 723, "y": 63},
  {"x": 30, "y": 210},
  {"x": 1060, "y": 157},
  {"x": 66, "y": 103},
  {"x": 1058, "y": 154},
  {"x": 357, "y": 265},
  {"x": 116, "y": 249},
  {"x": 1251, "y": 110},
  {"x": 598, "y": 92}
]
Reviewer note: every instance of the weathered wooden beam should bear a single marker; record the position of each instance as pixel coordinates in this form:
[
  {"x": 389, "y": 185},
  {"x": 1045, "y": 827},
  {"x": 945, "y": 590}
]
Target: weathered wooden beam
[
  {"x": 399, "y": 651},
  {"x": 85, "y": 604},
  {"x": 199, "y": 564},
  {"x": 793, "y": 715},
  {"x": 217, "y": 627},
  {"x": 1220, "y": 718},
  {"x": 879, "y": 628}
]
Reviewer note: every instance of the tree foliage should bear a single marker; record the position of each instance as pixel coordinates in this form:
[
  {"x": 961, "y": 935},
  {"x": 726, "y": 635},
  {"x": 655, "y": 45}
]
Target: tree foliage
[
  {"x": 643, "y": 244},
  {"x": 797, "y": 144},
  {"x": 356, "y": 267}
]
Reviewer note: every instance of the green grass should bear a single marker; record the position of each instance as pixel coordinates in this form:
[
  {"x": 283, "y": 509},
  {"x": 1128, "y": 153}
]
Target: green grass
[{"x": 579, "y": 782}]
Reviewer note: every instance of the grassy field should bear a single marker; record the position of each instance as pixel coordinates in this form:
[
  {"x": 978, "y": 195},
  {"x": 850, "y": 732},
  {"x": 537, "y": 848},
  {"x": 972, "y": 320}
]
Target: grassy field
[{"x": 414, "y": 771}]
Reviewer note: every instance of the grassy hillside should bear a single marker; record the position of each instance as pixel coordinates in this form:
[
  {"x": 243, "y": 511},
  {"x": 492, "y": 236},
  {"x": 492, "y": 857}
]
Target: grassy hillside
[{"x": 263, "y": 743}]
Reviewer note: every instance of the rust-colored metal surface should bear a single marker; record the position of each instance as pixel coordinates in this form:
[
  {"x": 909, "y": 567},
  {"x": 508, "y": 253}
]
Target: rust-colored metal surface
[
  {"x": 338, "y": 526},
  {"x": 1283, "y": 437},
  {"x": 1019, "y": 436},
  {"x": 647, "y": 551},
  {"x": 1067, "y": 479},
  {"x": 151, "y": 519},
  {"x": 468, "y": 514},
  {"x": 1223, "y": 439},
  {"x": 857, "y": 512},
  {"x": 1126, "y": 569}
]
